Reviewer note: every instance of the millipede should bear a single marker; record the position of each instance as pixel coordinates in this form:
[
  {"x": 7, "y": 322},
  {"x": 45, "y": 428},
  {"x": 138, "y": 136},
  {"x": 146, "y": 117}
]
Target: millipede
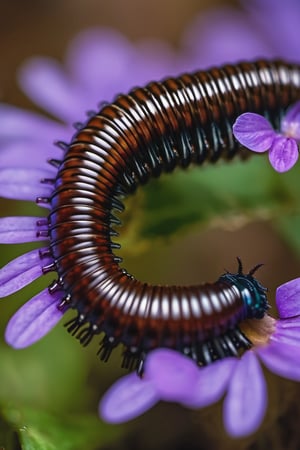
[{"x": 173, "y": 123}]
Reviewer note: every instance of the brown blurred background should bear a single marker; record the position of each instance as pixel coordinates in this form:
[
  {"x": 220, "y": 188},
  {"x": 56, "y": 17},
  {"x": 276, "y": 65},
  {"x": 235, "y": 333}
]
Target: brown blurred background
[{"x": 45, "y": 27}]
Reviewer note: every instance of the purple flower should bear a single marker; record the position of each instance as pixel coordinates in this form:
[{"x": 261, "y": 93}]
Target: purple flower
[
  {"x": 270, "y": 17},
  {"x": 259, "y": 29},
  {"x": 256, "y": 133},
  {"x": 170, "y": 376}
]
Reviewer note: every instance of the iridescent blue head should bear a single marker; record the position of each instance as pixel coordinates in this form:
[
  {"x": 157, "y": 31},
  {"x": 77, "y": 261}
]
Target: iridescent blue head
[{"x": 253, "y": 293}]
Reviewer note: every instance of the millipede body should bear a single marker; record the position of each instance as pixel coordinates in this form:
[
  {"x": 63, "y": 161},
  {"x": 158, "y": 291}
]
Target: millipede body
[{"x": 173, "y": 123}]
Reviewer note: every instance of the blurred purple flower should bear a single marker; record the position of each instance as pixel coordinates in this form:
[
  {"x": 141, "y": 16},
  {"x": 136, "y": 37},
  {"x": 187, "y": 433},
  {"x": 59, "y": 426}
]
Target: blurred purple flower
[
  {"x": 256, "y": 133},
  {"x": 170, "y": 376},
  {"x": 259, "y": 29},
  {"x": 99, "y": 64}
]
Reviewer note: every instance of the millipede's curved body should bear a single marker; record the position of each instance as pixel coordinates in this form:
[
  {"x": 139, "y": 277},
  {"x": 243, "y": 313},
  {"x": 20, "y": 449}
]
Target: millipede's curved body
[{"x": 168, "y": 124}]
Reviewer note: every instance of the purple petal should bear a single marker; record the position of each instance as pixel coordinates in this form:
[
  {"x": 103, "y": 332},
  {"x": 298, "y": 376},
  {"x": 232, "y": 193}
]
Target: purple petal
[
  {"x": 16, "y": 230},
  {"x": 246, "y": 400},
  {"x": 282, "y": 359},
  {"x": 24, "y": 184},
  {"x": 20, "y": 123},
  {"x": 221, "y": 36},
  {"x": 254, "y": 132},
  {"x": 14, "y": 154},
  {"x": 128, "y": 398},
  {"x": 283, "y": 153},
  {"x": 212, "y": 382},
  {"x": 100, "y": 59},
  {"x": 46, "y": 83},
  {"x": 21, "y": 271},
  {"x": 33, "y": 320},
  {"x": 272, "y": 16},
  {"x": 173, "y": 374},
  {"x": 289, "y": 324},
  {"x": 287, "y": 334},
  {"x": 288, "y": 299},
  {"x": 290, "y": 125}
]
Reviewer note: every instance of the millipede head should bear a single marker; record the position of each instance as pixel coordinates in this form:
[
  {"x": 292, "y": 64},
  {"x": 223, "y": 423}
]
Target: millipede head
[{"x": 252, "y": 292}]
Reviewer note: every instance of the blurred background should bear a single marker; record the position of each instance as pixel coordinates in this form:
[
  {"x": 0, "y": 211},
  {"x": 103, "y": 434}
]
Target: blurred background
[{"x": 53, "y": 388}]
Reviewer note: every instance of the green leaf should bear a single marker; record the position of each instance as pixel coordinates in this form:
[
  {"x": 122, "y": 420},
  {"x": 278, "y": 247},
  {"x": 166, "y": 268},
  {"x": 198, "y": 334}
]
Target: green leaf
[
  {"x": 38, "y": 430},
  {"x": 47, "y": 375},
  {"x": 224, "y": 195}
]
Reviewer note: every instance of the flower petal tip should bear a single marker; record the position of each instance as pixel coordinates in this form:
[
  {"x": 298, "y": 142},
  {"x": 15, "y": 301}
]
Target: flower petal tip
[
  {"x": 288, "y": 299},
  {"x": 254, "y": 132},
  {"x": 127, "y": 399},
  {"x": 283, "y": 154},
  {"x": 33, "y": 320},
  {"x": 246, "y": 402}
]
